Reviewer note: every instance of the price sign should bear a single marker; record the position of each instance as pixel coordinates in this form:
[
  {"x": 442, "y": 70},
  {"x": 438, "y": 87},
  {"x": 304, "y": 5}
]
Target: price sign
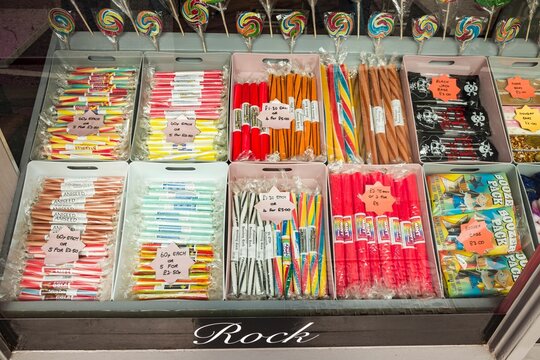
[
  {"x": 181, "y": 130},
  {"x": 86, "y": 124},
  {"x": 378, "y": 198},
  {"x": 528, "y": 118},
  {"x": 476, "y": 237},
  {"x": 275, "y": 115},
  {"x": 275, "y": 206},
  {"x": 63, "y": 246},
  {"x": 519, "y": 88},
  {"x": 172, "y": 263},
  {"x": 444, "y": 88}
]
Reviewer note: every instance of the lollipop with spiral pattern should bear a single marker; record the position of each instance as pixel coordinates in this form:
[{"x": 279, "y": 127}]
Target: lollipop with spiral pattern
[
  {"x": 111, "y": 23},
  {"x": 292, "y": 25},
  {"x": 339, "y": 26},
  {"x": 380, "y": 25},
  {"x": 150, "y": 24},
  {"x": 249, "y": 24},
  {"x": 424, "y": 28},
  {"x": 62, "y": 24},
  {"x": 196, "y": 14},
  {"x": 468, "y": 28},
  {"x": 506, "y": 31}
]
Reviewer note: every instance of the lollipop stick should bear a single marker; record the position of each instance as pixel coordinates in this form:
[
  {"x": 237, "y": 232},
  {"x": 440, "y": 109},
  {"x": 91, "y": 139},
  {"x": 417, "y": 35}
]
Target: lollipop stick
[
  {"x": 222, "y": 12},
  {"x": 489, "y": 23},
  {"x": 528, "y": 28},
  {"x": 358, "y": 19},
  {"x": 401, "y": 16},
  {"x": 313, "y": 20},
  {"x": 420, "y": 47},
  {"x": 501, "y": 49},
  {"x": 446, "y": 21},
  {"x": 127, "y": 10},
  {"x": 81, "y": 15},
  {"x": 175, "y": 16},
  {"x": 201, "y": 35},
  {"x": 269, "y": 13}
]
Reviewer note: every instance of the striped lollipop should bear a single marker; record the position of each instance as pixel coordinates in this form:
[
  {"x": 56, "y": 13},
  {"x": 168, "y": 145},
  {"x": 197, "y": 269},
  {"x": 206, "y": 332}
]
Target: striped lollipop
[
  {"x": 380, "y": 25},
  {"x": 338, "y": 24},
  {"x": 249, "y": 24},
  {"x": 111, "y": 24},
  {"x": 506, "y": 31},
  {"x": 62, "y": 24},
  {"x": 292, "y": 25},
  {"x": 150, "y": 24},
  {"x": 196, "y": 14},
  {"x": 424, "y": 28},
  {"x": 468, "y": 28}
]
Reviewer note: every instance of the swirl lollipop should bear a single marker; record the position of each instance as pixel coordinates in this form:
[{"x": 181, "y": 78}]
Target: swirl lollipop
[
  {"x": 339, "y": 26},
  {"x": 533, "y": 5},
  {"x": 62, "y": 24},
  {"x": 268, "y": 6},
  {"x": 111, "y": 24},
  {"x": 446, "y": 9},
  {"x": 468, "y": 28},
  {"x": 292, "y": 25},
  {"x": 490, "y": 6},
  {"x": 380, "y": 25},
  {"x": 196, "y": 15},
  {"x": 221, "y": 6},
  {"x": 506, "y": 31},
  {"x": 150, "y": 24},
  {"x": 249, "y": 24},
  {"x": 424, "y": 28}
]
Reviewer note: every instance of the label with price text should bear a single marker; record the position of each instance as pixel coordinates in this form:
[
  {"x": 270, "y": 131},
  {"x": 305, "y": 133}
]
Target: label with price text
[
  {"x": 378, "y": 198},
  {"x": 172, "y": 263},
  {"x": 444, "y": 88},
  {"x": 275, "y": 206},
  {"x": 476, "y": 237}
]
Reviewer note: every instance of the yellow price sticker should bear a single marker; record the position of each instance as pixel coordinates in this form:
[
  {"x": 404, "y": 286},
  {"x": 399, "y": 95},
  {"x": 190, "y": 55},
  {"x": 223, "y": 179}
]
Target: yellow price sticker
[{"x": 528, "y": 118}]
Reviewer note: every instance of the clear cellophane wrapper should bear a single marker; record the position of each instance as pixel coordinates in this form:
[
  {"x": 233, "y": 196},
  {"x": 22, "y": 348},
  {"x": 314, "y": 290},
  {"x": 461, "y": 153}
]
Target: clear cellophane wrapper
[
  {"x": 194, "y": 95},
  {"x": 107, "y": 91},
  {"x": 90, "y": 206},
  {"x": 284, "y": 260},
  {"x": 187, "y": 213},
  {"x": 379, "y": 255}
]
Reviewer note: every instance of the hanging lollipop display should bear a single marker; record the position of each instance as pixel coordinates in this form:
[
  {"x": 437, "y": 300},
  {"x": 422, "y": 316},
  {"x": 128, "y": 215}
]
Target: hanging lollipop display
[
  {"x": 292, "y": 25},
  {"x": 403, "y": 8},
  {"x": 111, "y": 23},
  {"x": 76, "y": 7},
  {"x": 380, "y": 25},
  {"x": 196, "y": 15},
  {"x": 533, "y": 5},
  {"x": 491, "y": 6},
  {"x": 124, "y": 6},
  {"x": 249, "y": 24},
  {"x": 268, "y": 6},
  {"x": 424, "y": 28},
  {"x": 62, "y": 24},
  {"x": 468, "y": 28},
  {"x": 150, "y": 24},
  {"x": 447, "y": 7},
  {"x": 506, "y": 31},
  {"x": 172, "y": 6},
  {"x": 339, "y": 26},
  {"x": 221, "y": 6},
  {"x": 312, "y": 4}
]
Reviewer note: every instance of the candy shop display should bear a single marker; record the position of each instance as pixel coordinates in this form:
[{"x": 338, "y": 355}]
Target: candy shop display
[
  {"x": 182, "y": 113},
  {"x": 111, "y": 23},
  {"x": 150, "y": 24},
  {"x": 249, "y": 25},
  {"x": 467, "y": 29},
  {"x": 277, "y": 233},
  {"x": 221, "y": 6},
  {"x": 423, "y": 29},
  {"x": 292, "y": 25},
  {"x": 382, "y": 247},
  {"x": 380, "y": 25},
  {"x": 62, "y": 24},
  {"x": 506, "y": 31},
  {"x": 196, "y": 14},
  {"x": 172, "y": 243}
]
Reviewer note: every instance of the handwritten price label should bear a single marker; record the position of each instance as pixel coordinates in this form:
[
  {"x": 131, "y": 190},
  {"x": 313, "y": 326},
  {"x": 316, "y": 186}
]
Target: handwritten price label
[
  {"x": 378, "y": 198},
  {"x": 520, "y": 88},
  {"x": 181, "y": 130},
  {"x": 528, "y": 118},
  {"x": 476, "y": 237},
  {"x": 444, "y": 88},
  {"x": 63, "y": 246},
  {"x": 86, "y": 124},
  {"x": 172, "y": 263},
  {"x": 275, "y": 206},
  {"x": 275, "y": 115}
]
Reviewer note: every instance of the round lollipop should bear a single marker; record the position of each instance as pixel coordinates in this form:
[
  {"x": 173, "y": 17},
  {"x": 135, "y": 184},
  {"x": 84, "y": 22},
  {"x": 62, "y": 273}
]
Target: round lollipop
[
  {"x": 312, "y": 4},
  {"x": 468, "y": 28},
  {"x": 268, "y": 6},
  {"x": 221, "y": 6},
  {"x": 380, "y": 25},
  {"x": 149, "y": 23},
  {"x": 339, "y": 26},
  {"x": 506, "y": 31},
  {"x": 62, "y": 24},
  {"x": 490, "y": 6},
  {"x": 196, "y": 15},
  {"x": 111, "y": 24},
  {"x": 249, "y": 24},
  {"x": 292, "y": 25},
  {"x": 533, "y": 5},
  {"x": 424, "y": 28},
  {"x": 446, "y": 9}
]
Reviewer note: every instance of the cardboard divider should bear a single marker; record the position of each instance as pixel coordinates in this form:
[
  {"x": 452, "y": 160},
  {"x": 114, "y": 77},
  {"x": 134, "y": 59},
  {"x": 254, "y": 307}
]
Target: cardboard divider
[
  {"x": 37, "y": 171},
  {"x": 170, "y": 62},
  {"x": 457, "y": 65},
  {"x": 140, "y": 174},
  {"x": 251, "y": 67},
  {"x": 423, "y": 198},
  {"x": 314, "y": 173},
  {"x": 69, "y": 59},
  {"x": 528, "y": 170}
]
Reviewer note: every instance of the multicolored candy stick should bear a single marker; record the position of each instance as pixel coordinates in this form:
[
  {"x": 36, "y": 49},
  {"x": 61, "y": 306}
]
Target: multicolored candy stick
[
  {"x": 533, "y": 5},
  {"x": 312, "y": 4},
  {"x": 196, "y": 14},
  {"x": 292, "y": 25},
  {"x": 124, "y": 7},
  {"x": 221, "y": 6},
  {"x": 424, "y": 28},
  {"x": 468, "y": 28},
  {"x": 76, "y": 7},
  {"x": 403, "y": 8},
  {"x": 506, "y": 31},
  {"x": 490, "y": 6},
  {"x": 150, "y": 24},
  {"x": 268, "y": 6},
  {"x": 446, "y": 9},
  {"x": 339, "y": 26},
  {"x": 62, "y": 24},
  {"x": 249, "y": 24},
  {"x": 111, "y": 23},
  {"x": 380, "y": 25}
]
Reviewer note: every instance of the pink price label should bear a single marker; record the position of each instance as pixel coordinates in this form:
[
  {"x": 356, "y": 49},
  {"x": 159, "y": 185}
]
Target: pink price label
[
  {"x": 275, "y": 115},
  {"x": 275, "y": 206},
  {"x": 63, "y": 246},
  {"x": 181, "y": 130},
  {"x": 378, "y": 198},
  {"x": 172, "y": 263},
  {"x": 86, "y": 124}
]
